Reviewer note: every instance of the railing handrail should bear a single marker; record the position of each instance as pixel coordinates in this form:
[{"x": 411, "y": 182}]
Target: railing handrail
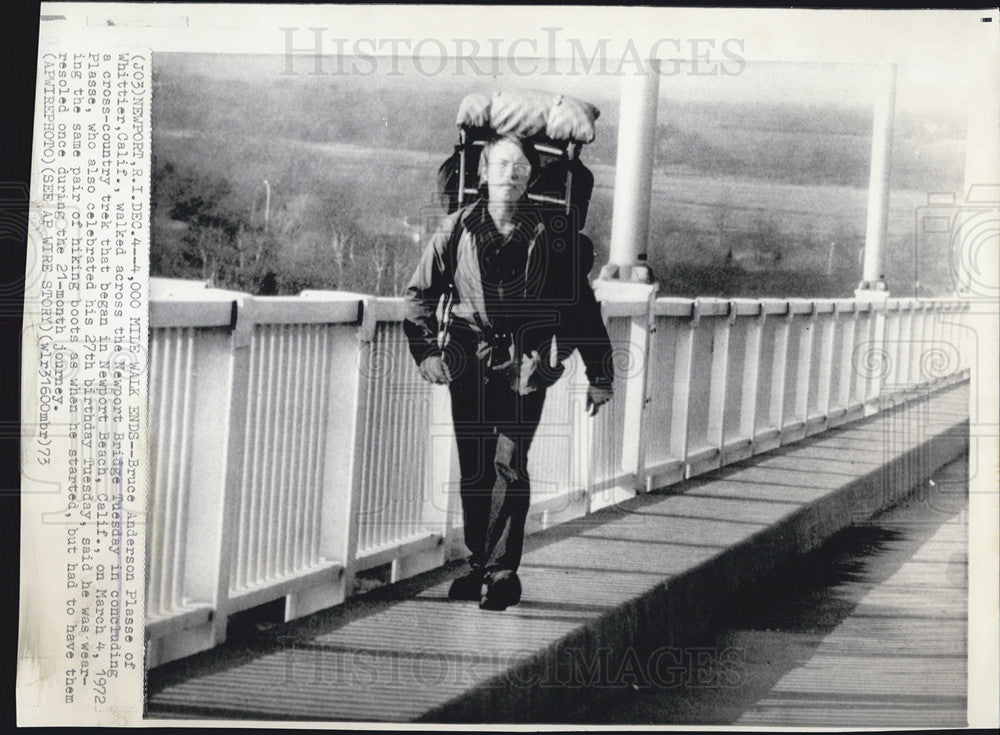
[
  {"x": 174, "y": 305},
  {"x": 195, "y": 309}
]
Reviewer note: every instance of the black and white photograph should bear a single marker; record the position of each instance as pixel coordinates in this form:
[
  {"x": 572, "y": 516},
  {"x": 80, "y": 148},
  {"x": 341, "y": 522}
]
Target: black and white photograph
[{"x": 592, "y": 366}]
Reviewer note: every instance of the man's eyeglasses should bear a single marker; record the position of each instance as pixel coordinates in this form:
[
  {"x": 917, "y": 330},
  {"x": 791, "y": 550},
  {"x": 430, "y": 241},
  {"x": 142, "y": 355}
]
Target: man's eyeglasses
[{"x": 521, "y": 169}]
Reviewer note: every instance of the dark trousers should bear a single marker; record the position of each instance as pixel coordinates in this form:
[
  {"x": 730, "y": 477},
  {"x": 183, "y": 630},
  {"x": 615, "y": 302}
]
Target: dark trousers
[{"x": 494, "y": 426}]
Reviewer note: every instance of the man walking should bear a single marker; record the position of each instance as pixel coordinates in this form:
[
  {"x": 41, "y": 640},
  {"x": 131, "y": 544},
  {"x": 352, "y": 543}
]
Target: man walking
[{"x": 510, "y": 287}]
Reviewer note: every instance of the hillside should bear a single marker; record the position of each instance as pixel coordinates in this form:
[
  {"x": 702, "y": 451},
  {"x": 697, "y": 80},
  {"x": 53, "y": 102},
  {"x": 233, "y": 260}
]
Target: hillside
[{"x": 350, "y": 167}]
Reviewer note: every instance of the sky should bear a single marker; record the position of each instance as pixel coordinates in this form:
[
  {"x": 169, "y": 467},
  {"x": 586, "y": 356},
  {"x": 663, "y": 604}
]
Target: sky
[
  {"x": 801, "y": 56},
  {"x": 922, "y": 88}
]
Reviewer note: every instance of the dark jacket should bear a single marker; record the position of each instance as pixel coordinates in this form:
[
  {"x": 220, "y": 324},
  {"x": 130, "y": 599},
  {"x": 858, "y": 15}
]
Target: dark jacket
[{"x": 553, "y": 299}]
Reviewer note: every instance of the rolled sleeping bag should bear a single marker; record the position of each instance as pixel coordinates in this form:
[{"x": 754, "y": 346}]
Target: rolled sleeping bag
[{"x": 527, "y": 113}]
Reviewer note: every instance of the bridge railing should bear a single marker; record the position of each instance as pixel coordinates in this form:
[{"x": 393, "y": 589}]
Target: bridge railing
[{"x": 294, "y": 445}]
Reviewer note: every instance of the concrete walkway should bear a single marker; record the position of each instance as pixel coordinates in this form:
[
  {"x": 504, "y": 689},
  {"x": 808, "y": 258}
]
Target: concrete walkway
[
  {"x": 608, "y": 599},
  {"x": 899, "y": 659},
  {"x": 869, "y": 631}
]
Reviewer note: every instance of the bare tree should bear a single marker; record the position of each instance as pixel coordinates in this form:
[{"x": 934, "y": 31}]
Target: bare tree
[
  {"x": 337, "y": 242},
  {"x": 720, "y": 217},
  {"x": 380, "y": 255}
]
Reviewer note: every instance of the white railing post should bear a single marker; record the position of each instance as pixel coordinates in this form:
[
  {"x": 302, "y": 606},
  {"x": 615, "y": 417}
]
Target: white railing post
[
  {"x": 859, "y": 332},
  {"x": 663, "y": 464},
  {"x": 637, "y": 395},
  {"x": 682, "y": 389},
  {"x": 968, "y": 322},
  {"x": 699, "y": 456},
  {"x": 945, "y": 334},
  {"x": 359, "y": 445},
  {"x": 236, "y": 411},
  {"x": 925, "y": 339},
  {"x": 907, "y": 348},
  {"x": 946, "y": 337},
  {"x": 891, "y": 342},
  {"x": 805, "y": 325},
  {"x": 751, "y": 378},
  {"x": 957, "y": 332},
  {"x": 954, "y": 334},
  {"x": 634, "y": 302},
  {"x": 819, "y": 422},
  {"x": 916, "y": 327},
  {"x": 444, "y": 476},
  {"x": 906, "y": 322},
  {"x": 876, "y": 378},
  {"x": 865, "y": 353},
  {"x": 588, "y": 437},
  {"x": 836, "y": 407},
  {"x": 861, "y": 349},
  {"x": 845, "y": 368},
  {"x": 916, "y": 345},
  {"x": 719, "y": 382},
  {"x": 776, "y": 412},
  {"x": 925, "y": 363},
  {"x": 770, "y": 376}
]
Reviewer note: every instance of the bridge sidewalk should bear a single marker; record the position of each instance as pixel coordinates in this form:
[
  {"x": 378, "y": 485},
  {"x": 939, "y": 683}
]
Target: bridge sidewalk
[{"x": 604, "y": 597}]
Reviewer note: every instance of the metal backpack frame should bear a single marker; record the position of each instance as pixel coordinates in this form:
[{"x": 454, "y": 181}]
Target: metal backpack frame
[{"x": 567, "y": 150}]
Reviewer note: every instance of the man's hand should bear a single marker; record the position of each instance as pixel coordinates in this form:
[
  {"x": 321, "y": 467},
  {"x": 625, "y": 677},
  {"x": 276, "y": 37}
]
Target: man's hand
[
  {"x": 434, "y": 370},
  {"x": 597, "y": 396}
]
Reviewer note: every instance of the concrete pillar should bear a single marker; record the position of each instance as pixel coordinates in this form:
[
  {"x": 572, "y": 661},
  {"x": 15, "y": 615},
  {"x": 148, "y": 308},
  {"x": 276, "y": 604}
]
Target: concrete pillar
[
  {"x": 873, "y": 272},
  {"x": 634, "y": 176}
]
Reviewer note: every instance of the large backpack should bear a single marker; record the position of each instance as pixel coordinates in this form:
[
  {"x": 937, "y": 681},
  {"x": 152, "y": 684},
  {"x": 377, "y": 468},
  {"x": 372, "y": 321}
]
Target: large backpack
[{"x": 556, "y": 125}]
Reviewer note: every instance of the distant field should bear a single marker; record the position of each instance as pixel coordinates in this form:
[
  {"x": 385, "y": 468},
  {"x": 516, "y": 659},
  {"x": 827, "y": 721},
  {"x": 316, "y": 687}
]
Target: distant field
[
  {"x": 402, "y": 183},
  {"x": 695, "y": 198},
  {"x": 393, "y": 191}
]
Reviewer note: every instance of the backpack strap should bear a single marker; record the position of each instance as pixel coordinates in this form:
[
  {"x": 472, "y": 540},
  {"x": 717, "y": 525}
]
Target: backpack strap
[
  {"x": 450, "y": 258},
  {"x": 451, "y": 251}
]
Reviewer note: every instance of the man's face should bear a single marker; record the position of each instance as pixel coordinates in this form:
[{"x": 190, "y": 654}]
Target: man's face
[{"x": 507, "y": 172}]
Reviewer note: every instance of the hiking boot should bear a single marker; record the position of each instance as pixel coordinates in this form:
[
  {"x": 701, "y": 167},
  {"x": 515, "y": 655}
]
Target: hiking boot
[
  {"x": 503, "y": 589},
  {"x": 469, "y": 587}
]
